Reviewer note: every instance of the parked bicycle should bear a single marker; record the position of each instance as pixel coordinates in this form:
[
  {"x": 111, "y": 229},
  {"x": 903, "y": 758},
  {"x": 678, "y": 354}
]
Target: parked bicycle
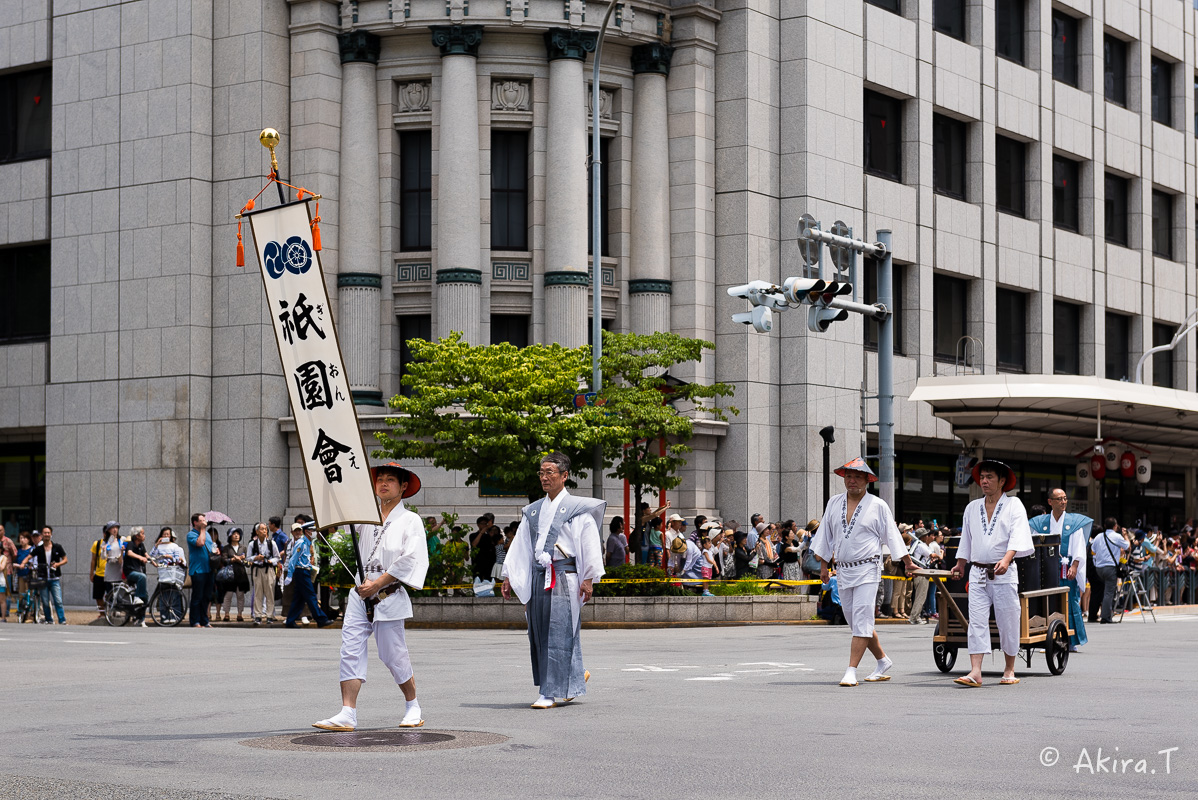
[
  {"x": 167, "y": 604},
  {"x": 120, "y": 603},
  {"x": 27, "y": 604}
]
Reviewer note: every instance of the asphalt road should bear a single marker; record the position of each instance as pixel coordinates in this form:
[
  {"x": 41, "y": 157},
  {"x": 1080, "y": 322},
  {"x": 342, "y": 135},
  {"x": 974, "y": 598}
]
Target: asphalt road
[{"x": 693, "y": 712}]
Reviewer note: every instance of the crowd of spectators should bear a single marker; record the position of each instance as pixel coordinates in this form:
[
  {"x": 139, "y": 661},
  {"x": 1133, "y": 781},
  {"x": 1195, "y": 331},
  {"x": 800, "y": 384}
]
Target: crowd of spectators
[{"x": 235, "y": 578}]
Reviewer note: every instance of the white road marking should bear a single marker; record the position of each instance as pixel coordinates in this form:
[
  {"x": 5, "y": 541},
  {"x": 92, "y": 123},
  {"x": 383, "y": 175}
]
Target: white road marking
[
  {"x": 89, "y": 641},
  {"x": 764, "y": 669}
]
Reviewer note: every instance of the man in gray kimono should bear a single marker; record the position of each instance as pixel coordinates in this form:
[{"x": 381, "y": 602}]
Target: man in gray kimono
[{"x": 552, "y": 565}]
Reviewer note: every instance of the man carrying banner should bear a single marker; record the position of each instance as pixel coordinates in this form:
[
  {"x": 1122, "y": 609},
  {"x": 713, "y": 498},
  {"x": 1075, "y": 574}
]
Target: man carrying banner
[
  {"x": 1074, "y": 530},
  {"x": 993, "y": 534},
  {"x": 855, "y": 526},
  {"x": 390, "y": 556},
  {"x": 552, "y": 566}
]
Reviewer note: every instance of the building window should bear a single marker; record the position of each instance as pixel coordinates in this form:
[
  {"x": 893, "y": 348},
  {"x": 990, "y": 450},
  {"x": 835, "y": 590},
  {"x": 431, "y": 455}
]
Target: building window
[
  {"x": 1114, "y": 70},
  {"x": 1010, "y": 158},
  {"x": 605, "y": 182},
  {"x": 509, "y": 190},
  {"x": 1064, "y": 48},
  {"x": 512, "y": 328},
  {"x": 1008, "y": 36},
  {"x": 1118, "y": 334},
  {"x": 948, "y": 17},
  {"x": 604, "y": 324},
  {"x": 883, "y": 136},
  {"x": 411, "y": 326},
  {"x": 1115, "y": 206},
  {"x": 948, "y": 316},
  {"x": 25, "y": 115},
  {"x": 889, "y": 5},
  {"x": 1066, "y": 338},
  {"x": 948, "y": 156},
  {"x": 1011, "y": 323},
  {"x": 25, "y": 287},
  {"x": 1162, "y": 91},
  {"x": 896, "y": 304},
  {"x": 1162, "y": 363},
  {"x": 416, "y": 190},
  {"x": 1162, "y": 224},
  {"x": 1066, "y": 197}
]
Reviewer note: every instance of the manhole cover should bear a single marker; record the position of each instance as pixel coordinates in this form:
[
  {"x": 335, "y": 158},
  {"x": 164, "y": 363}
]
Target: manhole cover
[
  {"x": 372, "y": 739},
  {"x": 377, "y": 741}
]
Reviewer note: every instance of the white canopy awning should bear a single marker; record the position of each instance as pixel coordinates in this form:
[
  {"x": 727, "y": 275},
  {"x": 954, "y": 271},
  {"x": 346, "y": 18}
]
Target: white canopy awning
[{"x": 1059, "y": 414}]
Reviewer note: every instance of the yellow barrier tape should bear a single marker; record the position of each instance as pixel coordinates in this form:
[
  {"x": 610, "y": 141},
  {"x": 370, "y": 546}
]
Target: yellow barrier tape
[{"x": 678, "y": 580}]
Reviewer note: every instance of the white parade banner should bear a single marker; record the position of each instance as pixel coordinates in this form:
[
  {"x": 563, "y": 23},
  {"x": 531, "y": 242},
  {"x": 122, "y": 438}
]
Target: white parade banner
[{"x": 331, "y": 446}]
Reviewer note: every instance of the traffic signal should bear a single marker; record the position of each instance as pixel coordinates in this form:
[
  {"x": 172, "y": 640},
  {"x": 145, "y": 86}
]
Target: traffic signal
[
  {"x": 803, "y": 290},
  {"x": 822, "y": 315},
  {"x": 818, "y": 319}
]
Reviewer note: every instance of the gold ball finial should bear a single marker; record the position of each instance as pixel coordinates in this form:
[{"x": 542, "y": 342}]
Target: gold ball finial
[{"x": 270, "y": 140}]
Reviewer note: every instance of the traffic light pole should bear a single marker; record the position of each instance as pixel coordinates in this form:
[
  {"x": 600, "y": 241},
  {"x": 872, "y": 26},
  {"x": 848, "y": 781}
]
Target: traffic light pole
[
  {"x": 822, "y": 295},
  {"x": 886, "y": 373}
]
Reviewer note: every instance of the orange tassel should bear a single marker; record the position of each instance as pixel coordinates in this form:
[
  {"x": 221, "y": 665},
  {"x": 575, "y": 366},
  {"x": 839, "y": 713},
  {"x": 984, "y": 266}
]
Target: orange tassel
[
  {"x": 249, "y": 206},
  {"x": 240, "y": 246},
  {"x": 316, "y": 227},
  {"x": 299, "y": 195}
]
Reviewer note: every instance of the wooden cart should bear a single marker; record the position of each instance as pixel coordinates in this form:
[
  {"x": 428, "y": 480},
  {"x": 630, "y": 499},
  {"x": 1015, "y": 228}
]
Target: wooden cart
[{"x": 1049, "y": 631}]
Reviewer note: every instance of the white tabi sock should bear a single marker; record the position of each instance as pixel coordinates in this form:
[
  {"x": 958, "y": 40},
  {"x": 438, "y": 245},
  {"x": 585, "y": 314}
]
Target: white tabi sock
[
  {"x": 347, "y": 716},
  {"x": 850, "y": 675},
  {"x": 883, "y": 667},
  {"x": 413, "y": 710}
]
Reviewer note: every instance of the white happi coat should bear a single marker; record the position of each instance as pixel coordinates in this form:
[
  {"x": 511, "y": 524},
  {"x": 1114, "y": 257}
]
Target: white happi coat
[
  {"x": 874, "y": 526},
  {"x": 579, "y": 539},
  {"x": 402, "y": 554},
  {"x": 987, "y": 541}
]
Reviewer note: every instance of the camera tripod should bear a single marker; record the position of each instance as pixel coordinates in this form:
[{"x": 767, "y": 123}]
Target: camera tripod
[{"x": 1130, "y": 587}]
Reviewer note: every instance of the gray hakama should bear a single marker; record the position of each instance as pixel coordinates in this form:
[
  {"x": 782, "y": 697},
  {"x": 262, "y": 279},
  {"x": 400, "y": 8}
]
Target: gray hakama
[{"x": 554, "y": 635}]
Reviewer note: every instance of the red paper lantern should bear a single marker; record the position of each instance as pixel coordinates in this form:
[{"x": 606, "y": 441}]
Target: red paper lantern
[
  {"x": 1097, "y": 467},
  {"x": 1127, "y": 464}
]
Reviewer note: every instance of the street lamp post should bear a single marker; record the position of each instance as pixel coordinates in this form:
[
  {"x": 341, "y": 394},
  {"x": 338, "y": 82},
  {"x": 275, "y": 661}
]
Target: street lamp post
[
  {"x": 828, "y": 434},
  {"x": 597, "y": 247}
]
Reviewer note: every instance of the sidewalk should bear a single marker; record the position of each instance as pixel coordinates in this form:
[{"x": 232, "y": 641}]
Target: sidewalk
[{"x": 79, "y": 615}]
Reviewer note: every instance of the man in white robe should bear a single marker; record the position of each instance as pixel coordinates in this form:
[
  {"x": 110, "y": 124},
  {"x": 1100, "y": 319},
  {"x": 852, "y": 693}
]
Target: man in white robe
[
  {"x": 994, "y": 533},
  {"x": 553, "y": 563},
  {"x": 855, "y": 526},
  {"x": 391, "y": 556}
]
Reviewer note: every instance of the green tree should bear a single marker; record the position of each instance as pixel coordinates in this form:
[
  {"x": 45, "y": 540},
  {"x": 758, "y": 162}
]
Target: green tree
[{"x": 493, "y": 411}]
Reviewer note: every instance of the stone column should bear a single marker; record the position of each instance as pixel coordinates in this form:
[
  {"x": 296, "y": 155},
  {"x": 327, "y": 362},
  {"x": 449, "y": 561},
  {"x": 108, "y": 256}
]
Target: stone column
[
  {"x": 359, "y": 282},
  {"x": 459, "y": 205},
  {"x": 566, "y": 278},
  {"x": 649, "y": 287}
]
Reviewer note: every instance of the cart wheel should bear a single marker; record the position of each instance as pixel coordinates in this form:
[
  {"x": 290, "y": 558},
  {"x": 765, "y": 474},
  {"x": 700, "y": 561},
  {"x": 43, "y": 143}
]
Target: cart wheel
[
  {"x": 1056, "y": 647},
  {"x": 945, "y": 656}
]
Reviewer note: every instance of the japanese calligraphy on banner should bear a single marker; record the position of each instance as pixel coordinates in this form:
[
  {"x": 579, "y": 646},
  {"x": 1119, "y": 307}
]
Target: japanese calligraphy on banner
[{"x": 331, "y": 444}]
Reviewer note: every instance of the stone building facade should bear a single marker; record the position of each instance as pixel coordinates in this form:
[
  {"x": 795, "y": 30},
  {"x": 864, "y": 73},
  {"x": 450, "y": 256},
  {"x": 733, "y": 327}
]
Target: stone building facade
[{"x": 1039, "y": 201}]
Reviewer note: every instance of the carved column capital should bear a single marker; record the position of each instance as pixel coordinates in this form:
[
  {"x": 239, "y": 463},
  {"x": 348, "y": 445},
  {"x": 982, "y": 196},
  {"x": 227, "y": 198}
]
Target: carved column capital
[
  {"x": 568, "y": 43},
  {"x": 458, "y": 40},
  {"x": 359, "y": 46},
  {"x": 652, "y": 58}
]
